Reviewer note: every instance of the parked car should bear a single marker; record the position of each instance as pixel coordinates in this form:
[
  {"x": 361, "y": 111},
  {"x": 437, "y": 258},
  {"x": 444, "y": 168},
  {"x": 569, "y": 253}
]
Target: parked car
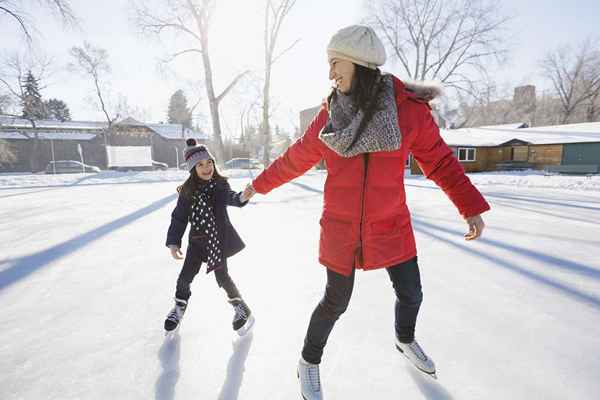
[
  {"x": 159, "y": 165},
  {"x": 69, "y": 167},
  {"x": 244, "y": 163}
]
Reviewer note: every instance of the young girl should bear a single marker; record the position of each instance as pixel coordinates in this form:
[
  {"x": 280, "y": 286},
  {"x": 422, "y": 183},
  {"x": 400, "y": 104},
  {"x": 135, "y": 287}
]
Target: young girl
[{"x": 212, "y": 239}]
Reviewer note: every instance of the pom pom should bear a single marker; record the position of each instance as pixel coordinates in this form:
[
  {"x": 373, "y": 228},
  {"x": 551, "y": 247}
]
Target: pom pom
[{"x": 191, "y": 142}]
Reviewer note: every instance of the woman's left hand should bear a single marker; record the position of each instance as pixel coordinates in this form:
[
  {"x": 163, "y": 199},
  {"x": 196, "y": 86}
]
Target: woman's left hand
[
  {"x": 476, "y": 226},
  {"x": 248, "y": 193}
]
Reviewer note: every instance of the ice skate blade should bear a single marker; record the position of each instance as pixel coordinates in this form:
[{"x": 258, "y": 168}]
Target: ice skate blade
[
  {"x": 248, "y": 326},
  {"x": 433, "y": 374}
]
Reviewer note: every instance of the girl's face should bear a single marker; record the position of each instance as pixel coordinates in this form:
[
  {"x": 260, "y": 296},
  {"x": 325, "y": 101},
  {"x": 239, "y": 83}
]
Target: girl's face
[
  {"x": 205, "y": 169},
  {"x": 342, "y": 73}
]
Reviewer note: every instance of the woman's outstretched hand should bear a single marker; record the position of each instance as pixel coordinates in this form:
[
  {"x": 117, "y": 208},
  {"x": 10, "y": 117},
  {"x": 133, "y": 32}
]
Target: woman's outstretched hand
[
  {"x": 248, "y": 193},
  {"x": 176, "y": 252},
  {"x": 476, "y": 226}
]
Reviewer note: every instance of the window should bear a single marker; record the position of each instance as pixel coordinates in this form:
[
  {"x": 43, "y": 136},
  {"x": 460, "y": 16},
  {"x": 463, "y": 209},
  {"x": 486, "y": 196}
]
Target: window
[{"x": 466, "y": 154}]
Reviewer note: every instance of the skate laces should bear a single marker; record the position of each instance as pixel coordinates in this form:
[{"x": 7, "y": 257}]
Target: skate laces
[
  {"x": 416, "y": 349},
  {"x": 240, "y": 312},
  {"x": 313, "y": 377},
  {"x": 176, "y": 313}
]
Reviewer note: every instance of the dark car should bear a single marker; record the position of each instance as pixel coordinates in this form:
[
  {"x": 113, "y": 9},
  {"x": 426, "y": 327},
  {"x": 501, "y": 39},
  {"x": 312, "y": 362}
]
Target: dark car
[
  {"x": 243, "y": 163},
  {"x": 69, "y": 167}
]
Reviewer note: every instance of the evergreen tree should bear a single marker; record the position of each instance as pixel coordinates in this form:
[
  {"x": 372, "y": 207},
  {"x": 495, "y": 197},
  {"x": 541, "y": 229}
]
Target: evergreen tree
[
  {"x": 33, "y": 106},
  {"x": 57, "y": 110},
  {"x": 179, "y": 113}
]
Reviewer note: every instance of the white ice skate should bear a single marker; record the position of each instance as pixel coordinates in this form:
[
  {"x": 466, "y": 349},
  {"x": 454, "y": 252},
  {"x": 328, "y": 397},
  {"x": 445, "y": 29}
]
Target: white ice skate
[
  {"x": 417, "y": 356},
  {"x": 310, "y": 381}
]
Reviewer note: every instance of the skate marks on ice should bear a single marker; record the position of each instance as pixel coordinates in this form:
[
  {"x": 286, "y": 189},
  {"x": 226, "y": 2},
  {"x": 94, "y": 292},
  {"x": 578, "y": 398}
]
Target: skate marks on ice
[
  {"x": 235, "y": 367},
  {"x": 21, "y": 267},
  {"x": 564, "y": 264},
  {"x": 169, "y": 355},
  {"x": 429, "y": 387}
]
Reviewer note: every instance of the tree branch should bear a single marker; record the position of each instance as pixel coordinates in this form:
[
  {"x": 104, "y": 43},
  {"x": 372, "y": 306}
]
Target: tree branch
[{"x": 231, "y": 85}]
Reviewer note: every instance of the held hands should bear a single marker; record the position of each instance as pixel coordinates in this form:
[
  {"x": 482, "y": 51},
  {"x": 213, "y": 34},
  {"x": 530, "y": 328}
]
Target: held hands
[
  {"x": 176, "y": 252},
  {"x": 247, "y": 193},
  {"x": 476, "y": 226}
]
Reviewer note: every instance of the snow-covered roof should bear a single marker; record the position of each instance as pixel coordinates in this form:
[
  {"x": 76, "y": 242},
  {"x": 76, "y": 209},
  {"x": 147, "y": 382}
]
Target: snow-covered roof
[
  {"x": 173, "y": 131},
  {"x": 48, "y": 135},
  {"x": 558, "y": 134},
  {"x": 515, "y": 125},
  {"x": 13, "y": 122},
  {"x": 11, "y": 135},
  {"x": 585, "y": 127},
  {"x": 168, "y": 131}
]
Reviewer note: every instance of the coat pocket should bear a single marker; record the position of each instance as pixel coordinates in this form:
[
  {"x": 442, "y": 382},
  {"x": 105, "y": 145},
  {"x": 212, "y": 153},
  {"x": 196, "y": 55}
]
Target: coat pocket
[
  {"x": 198, "y": 239},
  {"x": 337, "y": 242}
]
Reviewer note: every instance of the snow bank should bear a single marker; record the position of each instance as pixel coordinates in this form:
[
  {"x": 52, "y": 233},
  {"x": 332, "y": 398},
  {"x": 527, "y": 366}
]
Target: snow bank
[
  {"x": 537, "y": 179},
  {"x": 523, "y": 179},
  {"x": 106, "y": 177}
]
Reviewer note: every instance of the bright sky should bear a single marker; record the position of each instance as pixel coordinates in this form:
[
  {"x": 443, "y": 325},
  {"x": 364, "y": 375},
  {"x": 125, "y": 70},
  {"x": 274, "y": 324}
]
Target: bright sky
[{"x": 299, "y": 79}]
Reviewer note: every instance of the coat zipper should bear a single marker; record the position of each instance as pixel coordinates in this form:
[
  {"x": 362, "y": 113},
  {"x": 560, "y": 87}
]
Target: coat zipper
[{"x": 359, "y": 249}]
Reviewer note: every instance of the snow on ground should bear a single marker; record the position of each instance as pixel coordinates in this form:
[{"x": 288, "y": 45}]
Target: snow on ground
[{"x": 85, "y": 282}]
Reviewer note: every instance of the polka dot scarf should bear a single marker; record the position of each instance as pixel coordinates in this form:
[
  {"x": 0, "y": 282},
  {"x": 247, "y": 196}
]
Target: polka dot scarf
[{"x": 203, "y": 221}]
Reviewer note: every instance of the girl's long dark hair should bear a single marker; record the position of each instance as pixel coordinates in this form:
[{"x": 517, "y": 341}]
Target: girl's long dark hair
[
  {"x": 364, "y": 92},
  {"x": 193, "y": 182}
]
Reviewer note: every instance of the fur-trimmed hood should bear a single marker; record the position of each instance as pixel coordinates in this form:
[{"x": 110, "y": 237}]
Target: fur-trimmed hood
[{"x": 424, "y": 90}]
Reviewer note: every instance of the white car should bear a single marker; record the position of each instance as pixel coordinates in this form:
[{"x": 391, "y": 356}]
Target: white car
[{"x": 69, "y": 167}]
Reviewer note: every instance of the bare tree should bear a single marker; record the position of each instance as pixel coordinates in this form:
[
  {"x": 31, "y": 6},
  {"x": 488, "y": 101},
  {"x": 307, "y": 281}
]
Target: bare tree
[
  {"x": 13, "y": 9},
  {"x": 575, "y": 76},
  {"x": 445, "y": 40},
  {"x": 190, "y": 18},
  {"x": 275, "y": 13},
  {"x": 92, "y": 61}
]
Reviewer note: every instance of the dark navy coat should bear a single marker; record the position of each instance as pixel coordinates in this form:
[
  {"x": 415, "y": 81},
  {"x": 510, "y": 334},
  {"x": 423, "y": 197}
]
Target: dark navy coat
[{"x": 223, "y": 197}]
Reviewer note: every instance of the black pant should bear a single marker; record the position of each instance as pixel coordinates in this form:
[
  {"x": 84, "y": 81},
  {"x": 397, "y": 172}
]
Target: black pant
[
  {"x": 406, "y": 281},
  {"x": 194, "y": 258}
]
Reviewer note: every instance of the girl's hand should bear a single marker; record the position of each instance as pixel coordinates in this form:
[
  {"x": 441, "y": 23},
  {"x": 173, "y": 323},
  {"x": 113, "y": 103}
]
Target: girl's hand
[
  {"x": 176, "y": 252},
  {"x": 248, "y": 193}
]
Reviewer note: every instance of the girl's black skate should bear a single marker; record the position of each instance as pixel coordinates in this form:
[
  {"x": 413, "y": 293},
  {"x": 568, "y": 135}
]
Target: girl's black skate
[
  {"x": 242, "y": 319},
  {"x": 175, "y": 315}
]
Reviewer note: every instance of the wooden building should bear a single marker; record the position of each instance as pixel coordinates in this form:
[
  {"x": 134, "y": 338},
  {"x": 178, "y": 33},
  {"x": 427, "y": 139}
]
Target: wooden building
[{"x": 494, "y": 149}]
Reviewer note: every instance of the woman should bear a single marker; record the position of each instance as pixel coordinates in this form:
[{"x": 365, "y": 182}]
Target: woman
[{"x": 364, "y": 132}]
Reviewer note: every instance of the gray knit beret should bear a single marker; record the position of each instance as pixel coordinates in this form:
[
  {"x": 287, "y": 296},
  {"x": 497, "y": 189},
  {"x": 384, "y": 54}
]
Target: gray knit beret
[
  {"x": 194, "y": 153},
  {"x": 358, "y": 44}
]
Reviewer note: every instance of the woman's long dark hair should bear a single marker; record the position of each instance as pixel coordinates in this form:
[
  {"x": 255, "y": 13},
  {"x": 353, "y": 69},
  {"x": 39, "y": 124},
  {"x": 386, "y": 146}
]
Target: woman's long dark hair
[
  {"x": 193, "y": 182},
  {"x": 364, "y": 92}
]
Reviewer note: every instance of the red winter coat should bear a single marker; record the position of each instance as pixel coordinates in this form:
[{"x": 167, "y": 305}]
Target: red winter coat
[{"x": 365, "y": 221}]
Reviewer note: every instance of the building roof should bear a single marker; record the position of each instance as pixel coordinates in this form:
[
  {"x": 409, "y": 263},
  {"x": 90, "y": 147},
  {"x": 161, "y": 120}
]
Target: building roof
[
  {"x": 167, "y": 131},
  {"x": 558, "y": 134},
  {"x": 11, "y": 135},
  {"x": 49, "y": 135},
  {"x": 14, "y": 122},
  {"x": 515, "y": 125},
  {"x": 174, "y": 131}
]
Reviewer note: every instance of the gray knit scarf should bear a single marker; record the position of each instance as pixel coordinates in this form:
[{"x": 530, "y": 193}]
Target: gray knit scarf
[{"x": 381, "y": 133}]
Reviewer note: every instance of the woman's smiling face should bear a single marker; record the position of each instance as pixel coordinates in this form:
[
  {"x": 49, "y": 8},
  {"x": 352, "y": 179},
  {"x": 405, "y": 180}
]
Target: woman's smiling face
[{"x": 342, "y": 73}]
